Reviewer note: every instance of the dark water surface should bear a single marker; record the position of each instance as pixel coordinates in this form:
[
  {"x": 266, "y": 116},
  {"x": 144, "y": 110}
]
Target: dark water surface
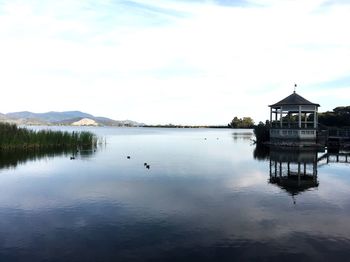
[{"x": 209, "y": 195}]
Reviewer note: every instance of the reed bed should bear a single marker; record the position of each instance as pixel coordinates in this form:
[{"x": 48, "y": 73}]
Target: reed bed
[{"x": 14, "y": 137}]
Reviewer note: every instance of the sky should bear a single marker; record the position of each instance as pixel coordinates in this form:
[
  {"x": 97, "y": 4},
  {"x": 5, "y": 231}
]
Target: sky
[{"x": 199, "y": 62}]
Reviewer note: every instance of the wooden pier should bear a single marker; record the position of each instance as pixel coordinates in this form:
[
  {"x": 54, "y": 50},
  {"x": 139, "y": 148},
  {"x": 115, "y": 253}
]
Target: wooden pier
[{"x": 338, "y": 137}]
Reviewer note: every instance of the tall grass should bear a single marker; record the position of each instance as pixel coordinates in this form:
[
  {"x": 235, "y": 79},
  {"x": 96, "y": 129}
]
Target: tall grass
[{"x": 14, "y": 137}]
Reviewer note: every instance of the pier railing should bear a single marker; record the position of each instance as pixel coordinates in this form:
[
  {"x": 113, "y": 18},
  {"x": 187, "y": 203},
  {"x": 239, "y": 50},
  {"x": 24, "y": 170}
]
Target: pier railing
[
  {"x": 339, "y": 133},
  {"x": 337, "y": 137}
]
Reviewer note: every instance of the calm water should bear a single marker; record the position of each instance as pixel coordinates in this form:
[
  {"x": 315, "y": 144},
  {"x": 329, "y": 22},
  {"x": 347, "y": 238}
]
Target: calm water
[{"x": 209, "y": 195}]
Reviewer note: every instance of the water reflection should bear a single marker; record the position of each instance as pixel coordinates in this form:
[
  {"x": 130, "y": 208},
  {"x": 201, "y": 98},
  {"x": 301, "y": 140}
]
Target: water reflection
[
  {"x": 294, "y": 171},
  {"x": 342, "y": 157},
  {"x": 242, "y": 135},
  {"x": 13, "y": 158},
  {"x": 202, "y": 200},
  {"x": 261, "y": 152}
]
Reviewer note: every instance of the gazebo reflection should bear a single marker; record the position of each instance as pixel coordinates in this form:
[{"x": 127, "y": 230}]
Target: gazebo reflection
[{"x": 294, "y": 171}]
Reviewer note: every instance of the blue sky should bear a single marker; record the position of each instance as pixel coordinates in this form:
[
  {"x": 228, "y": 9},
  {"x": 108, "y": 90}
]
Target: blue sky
[{"x": 167, "y": 61}]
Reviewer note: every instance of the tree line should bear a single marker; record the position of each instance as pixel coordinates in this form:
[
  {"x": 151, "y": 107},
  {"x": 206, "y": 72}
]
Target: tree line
[{"x": 339, "y": 117}]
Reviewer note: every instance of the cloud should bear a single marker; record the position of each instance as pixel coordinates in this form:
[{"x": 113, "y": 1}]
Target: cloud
[{"x": 190, "y": 62}]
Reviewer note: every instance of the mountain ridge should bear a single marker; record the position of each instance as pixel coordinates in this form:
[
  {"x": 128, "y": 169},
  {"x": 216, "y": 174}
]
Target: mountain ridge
[
  {"x": 61, "y": 118},
  {"x": 50, "y": 116}
]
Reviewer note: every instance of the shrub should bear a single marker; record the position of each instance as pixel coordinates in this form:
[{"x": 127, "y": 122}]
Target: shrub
[{"x": 262, "y": 132}]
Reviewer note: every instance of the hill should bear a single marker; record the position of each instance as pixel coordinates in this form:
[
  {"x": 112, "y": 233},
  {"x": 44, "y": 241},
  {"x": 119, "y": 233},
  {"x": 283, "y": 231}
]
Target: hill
[
  {"x": 49, "y": 116},
  {"x": 62, "y": 118}
]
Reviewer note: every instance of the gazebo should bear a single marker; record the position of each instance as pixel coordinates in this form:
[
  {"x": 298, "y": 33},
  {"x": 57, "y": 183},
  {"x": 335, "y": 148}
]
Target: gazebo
[{"x": 294, "y": 120}]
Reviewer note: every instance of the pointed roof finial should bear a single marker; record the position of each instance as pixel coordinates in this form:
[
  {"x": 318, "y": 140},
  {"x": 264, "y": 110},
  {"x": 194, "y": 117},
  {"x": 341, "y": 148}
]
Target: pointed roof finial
[{"x": 295, "y": 86}]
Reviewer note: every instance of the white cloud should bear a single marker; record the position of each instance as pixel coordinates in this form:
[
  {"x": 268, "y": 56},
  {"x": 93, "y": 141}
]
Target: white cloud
[{"x": 179, "y": 62}]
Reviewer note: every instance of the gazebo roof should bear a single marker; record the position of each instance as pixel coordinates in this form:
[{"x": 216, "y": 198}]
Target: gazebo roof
[
  {"x": 293, "y": 99},
  {"x": 294, "y": 186}
]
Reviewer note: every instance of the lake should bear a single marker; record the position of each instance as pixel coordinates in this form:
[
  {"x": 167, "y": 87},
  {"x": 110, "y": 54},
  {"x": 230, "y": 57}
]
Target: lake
[{"x": 208, "y": 195}]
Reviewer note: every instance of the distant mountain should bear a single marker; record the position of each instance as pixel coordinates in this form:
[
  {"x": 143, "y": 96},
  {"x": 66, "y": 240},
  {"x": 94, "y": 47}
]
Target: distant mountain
[
  {"x": 49, "y": 116},
  {"x": 62, "y": 118}
]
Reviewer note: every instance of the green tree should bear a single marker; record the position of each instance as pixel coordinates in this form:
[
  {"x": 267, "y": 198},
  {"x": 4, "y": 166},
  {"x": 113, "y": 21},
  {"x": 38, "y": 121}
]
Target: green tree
[
  {"x": 235, "y": 122},
  {"x": 245, "y": 122},
  {"x": 339, "y": 117}
]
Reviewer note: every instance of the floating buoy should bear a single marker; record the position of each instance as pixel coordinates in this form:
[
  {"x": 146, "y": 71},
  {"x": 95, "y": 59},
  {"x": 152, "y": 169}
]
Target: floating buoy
[
  {"x": 128, "y": 157},
  {"x": 147, "y": 166},
  {"x": 72, "y": 158}
]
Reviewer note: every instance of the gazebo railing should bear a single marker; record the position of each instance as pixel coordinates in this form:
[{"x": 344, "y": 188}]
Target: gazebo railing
[{"x": 292, "y": 125}]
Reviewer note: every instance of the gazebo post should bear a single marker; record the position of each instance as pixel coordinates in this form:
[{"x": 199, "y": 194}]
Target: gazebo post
[
  {"x": 270, "y": 115},
  {"x": 281, "y": 117},
  {"x": 315, "y": 117},
  {"x": 299, "y": 115}
]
